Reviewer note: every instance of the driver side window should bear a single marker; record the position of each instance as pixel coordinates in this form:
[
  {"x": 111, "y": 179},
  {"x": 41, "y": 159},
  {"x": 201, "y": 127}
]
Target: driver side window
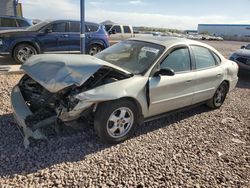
[
  {"x": 178, "y": 60},
  {"x": 58, "y": 27}
]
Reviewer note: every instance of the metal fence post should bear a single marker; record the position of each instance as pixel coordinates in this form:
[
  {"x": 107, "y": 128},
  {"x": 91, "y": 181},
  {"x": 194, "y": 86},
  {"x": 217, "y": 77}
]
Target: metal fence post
[{"x": 82, "y": 34}]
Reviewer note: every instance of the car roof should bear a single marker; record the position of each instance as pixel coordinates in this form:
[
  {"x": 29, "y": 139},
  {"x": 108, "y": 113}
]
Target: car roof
[
  {"x": 71, "y": 21},
  {"x": 168, "y": 41}
]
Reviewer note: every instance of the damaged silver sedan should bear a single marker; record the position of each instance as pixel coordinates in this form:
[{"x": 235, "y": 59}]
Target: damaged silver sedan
[{"x": 121, "y": 87}]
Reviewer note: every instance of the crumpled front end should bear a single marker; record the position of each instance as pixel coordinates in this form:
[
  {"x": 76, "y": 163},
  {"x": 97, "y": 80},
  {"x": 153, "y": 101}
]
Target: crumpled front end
[
  {"x": 21, "y": 111},
  {"x": 35, "y": 108}
]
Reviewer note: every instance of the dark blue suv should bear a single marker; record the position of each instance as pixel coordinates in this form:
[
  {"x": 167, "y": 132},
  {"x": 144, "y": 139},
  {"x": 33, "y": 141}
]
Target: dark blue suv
[{"x": 60, "y": 36}]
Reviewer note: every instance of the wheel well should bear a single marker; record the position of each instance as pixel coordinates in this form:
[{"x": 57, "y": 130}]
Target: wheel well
[
  {"x": 138, "y": 106},
  {"x": 134, "y": 101},
  {"x": 26, "y": 42},
  {"x": 98, "y": 44},
  {"x": 228, "y": 84}
]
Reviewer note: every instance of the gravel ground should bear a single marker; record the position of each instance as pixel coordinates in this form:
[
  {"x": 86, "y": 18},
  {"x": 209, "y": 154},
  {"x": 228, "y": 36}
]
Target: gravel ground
[{"x": 192, "y": 148}]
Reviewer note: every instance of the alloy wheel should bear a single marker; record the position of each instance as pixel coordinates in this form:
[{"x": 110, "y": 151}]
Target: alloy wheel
[
  {"x": 120, "y": 122},
  {"x": 94, "y": 50},
  {"x": 24, "y": 53}
]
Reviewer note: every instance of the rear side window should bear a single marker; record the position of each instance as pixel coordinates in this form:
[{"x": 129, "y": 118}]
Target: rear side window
[
  {"x": 92, "y": 28},
  {"x": 8, "y": 22},
  {"x": 117, "y": 29},
  {"x": 203, "y": 57},
  {"x": 75, "y": 27},
  {"x": 126, "y": 29},
  {"x": 178, "y": 60},
  {"x": 22, "y": 23}
]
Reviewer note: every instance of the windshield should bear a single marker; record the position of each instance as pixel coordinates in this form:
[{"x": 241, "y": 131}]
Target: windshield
[
  {"x": 38, "y": 26},
  {"x": 134, "y": 56}
]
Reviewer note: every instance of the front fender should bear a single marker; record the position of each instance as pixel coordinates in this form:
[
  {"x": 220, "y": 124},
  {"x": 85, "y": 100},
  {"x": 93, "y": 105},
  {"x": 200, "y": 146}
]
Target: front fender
[
  {"x": 134, "y": 87},
  {"x": 31, "y": 41}
]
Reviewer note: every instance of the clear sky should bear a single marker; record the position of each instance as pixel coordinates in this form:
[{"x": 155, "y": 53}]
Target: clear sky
[{"x": 179, "y": 14}]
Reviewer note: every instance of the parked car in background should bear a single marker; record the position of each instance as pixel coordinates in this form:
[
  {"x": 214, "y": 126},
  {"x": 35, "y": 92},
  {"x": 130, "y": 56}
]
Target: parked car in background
[
  {"x": 119, "y": 32},
  {"x": 242, "y": 58},
  {"x": 35, "y": 21},
  {"x": 120, "y": 87},
  {"x": 12, "y": 22},
  {"x": 209, "y": 37},
  {"x": 60, "y": 36}
]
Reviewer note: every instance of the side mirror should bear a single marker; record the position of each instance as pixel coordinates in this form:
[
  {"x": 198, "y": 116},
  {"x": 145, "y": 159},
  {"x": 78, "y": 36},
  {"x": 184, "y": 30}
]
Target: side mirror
[
  {"x": 243, "y": 47},
  {"x": 48, "y": 30},
  {"x": 165, "y": 72},
  {"x": 112, "y": 32}
]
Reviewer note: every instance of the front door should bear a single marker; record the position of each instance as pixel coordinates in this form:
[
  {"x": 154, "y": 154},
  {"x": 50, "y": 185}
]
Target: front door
[
  {"x": 172, "y": 92},
  {"x": 118, "y": 36},
  {"x": 56, "y": 38}
]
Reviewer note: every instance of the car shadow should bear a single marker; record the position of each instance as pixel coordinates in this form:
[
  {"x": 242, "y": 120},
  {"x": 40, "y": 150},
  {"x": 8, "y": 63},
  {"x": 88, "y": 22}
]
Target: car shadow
[
  {"x": 15, "y": 159},
  {"x": 4, "y": 60},
  {"x": 244, "y": 80}
]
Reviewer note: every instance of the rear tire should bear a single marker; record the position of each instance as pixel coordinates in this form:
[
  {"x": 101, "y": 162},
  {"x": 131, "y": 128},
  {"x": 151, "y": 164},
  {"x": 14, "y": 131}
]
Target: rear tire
[
  {"x": 219, "y": 96},
  {"x": 94, "y": 49},
  {"x": 22, "y": 52},
  {"x": 115, "y": 121}
]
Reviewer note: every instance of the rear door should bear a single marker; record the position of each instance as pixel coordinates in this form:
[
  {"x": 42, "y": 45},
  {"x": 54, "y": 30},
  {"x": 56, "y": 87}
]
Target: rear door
[
  {"x": 74, "y": 36},
  {"x": 208, "y": 73},
  {"x": 172, "y": 92}
]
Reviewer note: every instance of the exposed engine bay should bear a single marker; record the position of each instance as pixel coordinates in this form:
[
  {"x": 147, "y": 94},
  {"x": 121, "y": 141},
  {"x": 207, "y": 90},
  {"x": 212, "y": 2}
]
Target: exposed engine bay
[{"x": 49, "y": 109}]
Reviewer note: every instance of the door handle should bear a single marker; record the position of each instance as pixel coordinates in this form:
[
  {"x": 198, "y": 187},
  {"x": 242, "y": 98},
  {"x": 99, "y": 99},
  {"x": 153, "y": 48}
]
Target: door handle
[
  {"x": 65, "y": 36},
  {"x": 219, "y": 75},
  {"x": 189, "y": 81}
]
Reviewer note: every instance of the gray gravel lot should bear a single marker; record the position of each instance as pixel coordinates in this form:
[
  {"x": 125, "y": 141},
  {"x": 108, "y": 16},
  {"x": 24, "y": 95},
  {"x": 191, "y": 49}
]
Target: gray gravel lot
[{"x": 193, "y": 148}]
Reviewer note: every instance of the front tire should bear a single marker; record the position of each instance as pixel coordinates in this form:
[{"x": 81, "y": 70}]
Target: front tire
[
  {"x": 22, "y": 52},
  {"x": 219, "y": 96},
  {"x": 115, "y": 121}
]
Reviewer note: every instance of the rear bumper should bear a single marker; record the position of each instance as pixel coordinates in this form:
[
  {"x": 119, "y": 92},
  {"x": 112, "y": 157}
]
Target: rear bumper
[{"x": 21, "y": 111}]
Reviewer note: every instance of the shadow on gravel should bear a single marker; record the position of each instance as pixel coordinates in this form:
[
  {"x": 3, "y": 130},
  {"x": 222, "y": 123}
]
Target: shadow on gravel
[
  {"x": 7, "y": 61},
  {"x": 14, "y": 159},
  {"x": 244, "y": 80}
]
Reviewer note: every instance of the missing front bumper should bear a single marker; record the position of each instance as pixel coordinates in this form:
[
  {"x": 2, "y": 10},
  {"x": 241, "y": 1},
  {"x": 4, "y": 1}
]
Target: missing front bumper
[{"x": 21, "y": 111}]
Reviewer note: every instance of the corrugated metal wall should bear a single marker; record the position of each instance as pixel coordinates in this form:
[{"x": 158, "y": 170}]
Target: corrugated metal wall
[
  {"x": 225, "y": 30},
  {"x": 7, "y": 7}
]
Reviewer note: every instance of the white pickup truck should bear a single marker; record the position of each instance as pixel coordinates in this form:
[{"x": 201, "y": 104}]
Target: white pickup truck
[{"x": 119, "y": 32}]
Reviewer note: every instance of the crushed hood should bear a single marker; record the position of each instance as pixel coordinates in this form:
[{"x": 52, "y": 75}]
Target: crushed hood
[{"x": 56, "y": 71}]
